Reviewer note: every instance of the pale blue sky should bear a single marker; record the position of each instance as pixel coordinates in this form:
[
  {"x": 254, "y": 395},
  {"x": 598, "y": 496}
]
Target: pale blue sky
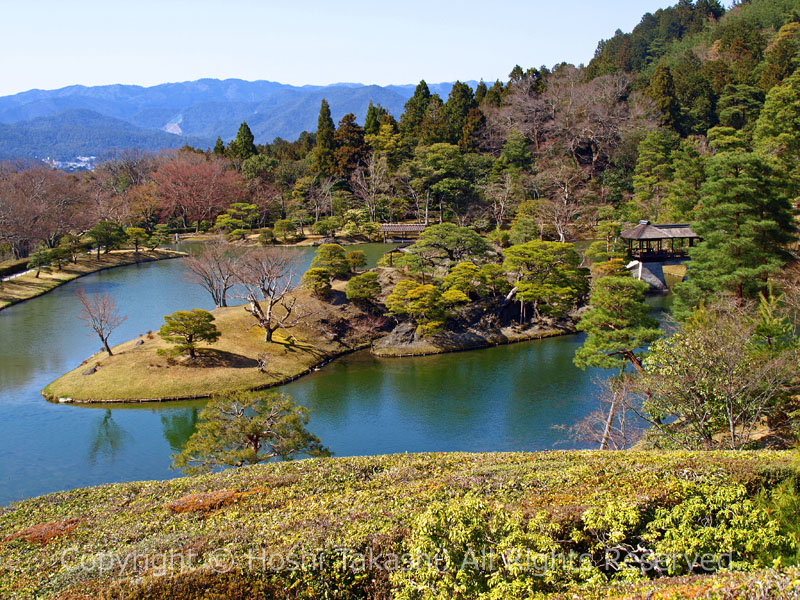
[{"x": 53, "y": 43}]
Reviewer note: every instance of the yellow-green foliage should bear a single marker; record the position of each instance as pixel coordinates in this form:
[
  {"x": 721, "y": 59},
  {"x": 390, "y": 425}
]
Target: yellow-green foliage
[{"x": 341, "y": 508}]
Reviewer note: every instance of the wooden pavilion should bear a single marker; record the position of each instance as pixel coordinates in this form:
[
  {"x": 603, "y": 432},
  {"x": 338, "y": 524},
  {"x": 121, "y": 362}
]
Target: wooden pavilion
[{"x": 655, "y": 242}]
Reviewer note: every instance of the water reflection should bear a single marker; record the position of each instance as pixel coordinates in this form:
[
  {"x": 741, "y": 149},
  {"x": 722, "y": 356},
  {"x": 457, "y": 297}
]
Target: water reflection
[
  {"x": 108, "y": 438},
  {"x": 178, "y": 426}
]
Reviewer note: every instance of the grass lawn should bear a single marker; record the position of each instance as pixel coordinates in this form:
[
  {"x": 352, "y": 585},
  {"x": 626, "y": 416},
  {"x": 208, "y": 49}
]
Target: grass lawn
[
  {"x": 137, "y": 372},
  {"x": 29, "y": 286}
]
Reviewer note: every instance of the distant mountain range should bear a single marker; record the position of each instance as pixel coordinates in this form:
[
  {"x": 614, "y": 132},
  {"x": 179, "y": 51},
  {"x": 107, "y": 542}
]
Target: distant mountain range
[{"x": 92, "y": 121}]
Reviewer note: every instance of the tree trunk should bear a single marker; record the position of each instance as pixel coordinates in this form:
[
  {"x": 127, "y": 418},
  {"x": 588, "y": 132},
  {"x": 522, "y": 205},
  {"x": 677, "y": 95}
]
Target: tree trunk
[
  {"x": 108, "y": 349},
  {"x": 609, "y": 422}
]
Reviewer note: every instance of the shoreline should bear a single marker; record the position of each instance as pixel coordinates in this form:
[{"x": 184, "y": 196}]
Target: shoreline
[
  {"x": 533, "y": 335},
  {"x": 48, "y": 281}
]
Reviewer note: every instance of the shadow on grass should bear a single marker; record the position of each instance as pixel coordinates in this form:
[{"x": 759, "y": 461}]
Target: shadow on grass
[{"x": 209, "y": 357}]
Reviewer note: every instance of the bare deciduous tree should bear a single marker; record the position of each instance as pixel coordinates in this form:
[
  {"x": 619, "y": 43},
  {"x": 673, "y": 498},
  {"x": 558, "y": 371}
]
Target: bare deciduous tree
[
  {"x": 101, "y": 314},
  {"x": 214, "y": 268},
  {"x": 610, "y": 427},
  {"x": 501, "y": 195},
  {"x": 267, "y": 275},
  {"x": 370, "y": 183},
  {"x": 561, "y": 203}
]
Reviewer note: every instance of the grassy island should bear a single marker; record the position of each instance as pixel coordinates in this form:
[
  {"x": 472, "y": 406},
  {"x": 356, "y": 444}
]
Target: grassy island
[
  {"x": 240, "y": 360},
  {"x": 74, "y": 545},
  {"x": 28, "y": 285}
]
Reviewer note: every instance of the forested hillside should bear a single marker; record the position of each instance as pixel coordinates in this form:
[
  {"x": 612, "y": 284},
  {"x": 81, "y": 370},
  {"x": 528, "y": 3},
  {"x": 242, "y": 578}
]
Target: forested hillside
[
  {"x": 72, "y": 133},
  {"x": 192, "y": 111}
]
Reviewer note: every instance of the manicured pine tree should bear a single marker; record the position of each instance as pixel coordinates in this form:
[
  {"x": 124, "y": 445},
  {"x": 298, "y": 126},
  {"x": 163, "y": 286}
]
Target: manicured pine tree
[
  {"x": 618, "y": 325},
  {"x": 324, "y": 162},
  {"x": 746, "y": 221}
]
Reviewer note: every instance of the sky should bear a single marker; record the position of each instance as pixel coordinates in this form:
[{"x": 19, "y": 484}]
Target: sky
[{"x": 49, "y": 44}]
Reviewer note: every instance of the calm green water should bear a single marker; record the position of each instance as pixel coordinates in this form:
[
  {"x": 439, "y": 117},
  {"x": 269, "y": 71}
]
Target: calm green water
[{"x": 505, "y": 398}]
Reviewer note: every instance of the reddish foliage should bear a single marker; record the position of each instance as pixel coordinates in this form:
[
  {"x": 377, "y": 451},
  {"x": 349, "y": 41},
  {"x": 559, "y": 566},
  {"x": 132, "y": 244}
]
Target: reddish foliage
[
  {"x": 44, "y": 532},
  {"x": 195, "y": 188}
]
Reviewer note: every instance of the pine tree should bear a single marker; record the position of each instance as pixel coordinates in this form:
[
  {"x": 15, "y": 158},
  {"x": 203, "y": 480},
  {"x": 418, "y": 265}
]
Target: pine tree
[
  {"x": 617, "y": 326},
  {"x": 243, "y": 146},
  {"x": 745, "y": 221},
  {"x": 324, "y": 162}
]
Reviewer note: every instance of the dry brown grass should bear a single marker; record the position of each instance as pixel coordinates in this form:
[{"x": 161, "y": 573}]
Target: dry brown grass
[
  {"x": 43, "y": 533},
  {"x": 29, "y": 286},
  {"x": 138, "y": 373}
]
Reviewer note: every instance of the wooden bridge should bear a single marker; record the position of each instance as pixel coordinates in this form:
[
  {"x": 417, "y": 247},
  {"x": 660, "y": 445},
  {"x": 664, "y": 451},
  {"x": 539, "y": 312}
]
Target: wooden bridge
[{"x": 401, "y": 231}]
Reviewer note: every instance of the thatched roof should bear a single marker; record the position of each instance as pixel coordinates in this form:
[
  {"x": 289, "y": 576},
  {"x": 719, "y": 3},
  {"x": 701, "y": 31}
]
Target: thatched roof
[{"x": 646, "y": 231}]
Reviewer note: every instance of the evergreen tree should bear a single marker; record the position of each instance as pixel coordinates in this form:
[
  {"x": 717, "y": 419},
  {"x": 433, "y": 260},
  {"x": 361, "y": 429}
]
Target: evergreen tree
[
  {"x": 618, "y": 325},
  {"x": 219, "y": 147},
  {"x": 689, "y": 174},
  {"x": 654, "y": 170},
  {"x": 777, "y": 130},
  {"x": 459, "y": 103},
  {"x": 494, "y": 95},
  {"x": 246, "y": 428},
  {"x": 480, "y": 92},
  {"x": 372, "y": 122},
  {"x": 414, "y": 111},
  {"x": 323, "y": 157},
  {"x": 516, "y": 153},
  {"x": 739, "y": 106},
  {"x": 435, "y": 126},
  {"x": 185, "y": 328},
  {"x": 745, "y": 221},
  {"x": 662, "y": 90},
  {"x": 473, "y": 125},
  {"x": 243, "y": 146},
  {"x": 350, "y": 149}
]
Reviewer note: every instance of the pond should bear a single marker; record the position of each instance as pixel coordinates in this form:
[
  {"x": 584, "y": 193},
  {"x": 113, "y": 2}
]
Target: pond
[{"x": 505, "y": 398}]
